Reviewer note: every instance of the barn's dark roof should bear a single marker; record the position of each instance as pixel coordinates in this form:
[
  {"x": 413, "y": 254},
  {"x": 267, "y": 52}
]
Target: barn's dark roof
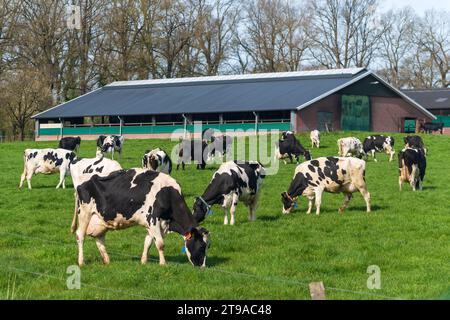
[
  {"x": 431, "y": 99},
  {"x": 256, "y": 92}
]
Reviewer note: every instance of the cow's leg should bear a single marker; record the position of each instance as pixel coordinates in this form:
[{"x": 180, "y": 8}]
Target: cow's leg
[
  {"x": 73, "y": 227},
  {"x": 182, "y": 165},
  {"x": 84, "y": 217},
  {"x": 400, "y": 182},
  {"x": 100, "y": 242},
  {"x": 24, "y": 174},
  {"x": 310, "y": 204},
  {"x": 62, "y": 176},
  {"x": 147, "y": 244},
  {"x": 234, "y": 203},
  {"x": 160, "y": 246},
  {"x": 374, "y": 156},
  {"x": 347, "y": 198},
  {"x": 252, "y": 209},
  {"x": 318, "y": 195},
  {"x": 112, "y": 154},
  {"x": 225, "y": 215},
  {"x": 361, "y": 186}
]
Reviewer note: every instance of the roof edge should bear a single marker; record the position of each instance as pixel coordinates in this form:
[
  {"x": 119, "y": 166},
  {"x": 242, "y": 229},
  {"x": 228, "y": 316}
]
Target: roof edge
[{"x": 61, "y": 104}]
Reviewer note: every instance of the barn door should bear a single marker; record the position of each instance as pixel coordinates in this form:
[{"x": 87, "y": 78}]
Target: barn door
[
  {"x": 355, "y": 113},
  {"x": 325, "y": 121}
]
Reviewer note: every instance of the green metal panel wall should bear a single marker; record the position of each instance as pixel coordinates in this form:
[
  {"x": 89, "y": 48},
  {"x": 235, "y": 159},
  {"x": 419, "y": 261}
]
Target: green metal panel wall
[
  {"x": 355, "y": 113},
  {"x": 444, "y": 119},
  {"x": 160, "y": 129}
]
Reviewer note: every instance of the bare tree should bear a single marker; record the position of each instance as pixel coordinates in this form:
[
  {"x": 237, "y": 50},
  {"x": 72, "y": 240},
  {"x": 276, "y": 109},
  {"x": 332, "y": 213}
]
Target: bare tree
[{"x": 9, "y": 13}]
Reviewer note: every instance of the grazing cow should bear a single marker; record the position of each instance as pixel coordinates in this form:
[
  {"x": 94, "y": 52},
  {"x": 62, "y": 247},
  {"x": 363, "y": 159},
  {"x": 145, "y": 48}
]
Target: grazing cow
[
  {"x": 157, "y": 160},
  {"x": 233, "y": 181},
  {"x": 412, "y": 164},
  {"x": 70, "y": 143},
  {"x": 110, "y": 144},
  {"x": 289, "y": 146},
  {"x": 415, "y": 142},
  {"x": 430, "y": 127},
  {"x": 208, "y": 134},
  {"x": 82, "y": 170},
  {"x": 330, "y": 174},
  {"x": 192, "y": 150},
  {"x": 350, "y": 146},
  {"x": 379, "y": 143},
  {"x": 46, "y": 161},
  {"x": 143, "y": 197},
  {"x": 315, "y": 138},
  {"x": 219, "y": 146}
]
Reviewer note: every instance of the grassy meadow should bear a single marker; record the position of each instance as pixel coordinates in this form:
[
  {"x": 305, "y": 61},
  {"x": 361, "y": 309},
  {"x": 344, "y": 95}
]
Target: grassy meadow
[{"x": 407, "y": 236}]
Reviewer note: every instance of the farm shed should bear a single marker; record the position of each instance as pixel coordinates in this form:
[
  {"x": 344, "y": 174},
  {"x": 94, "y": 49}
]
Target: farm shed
[
  {"x": 436, "y": 101},
  {"x": 341, "y": 99}
]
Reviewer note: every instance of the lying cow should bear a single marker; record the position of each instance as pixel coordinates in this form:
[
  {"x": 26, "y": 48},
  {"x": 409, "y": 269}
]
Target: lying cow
[
  {"x": 379, "y": 143},
  {"x": 350, "y": 146},
  {"x": 219, "y": 146},
  {"x": 192, "y": 150},
  {"x": 315, "y": 138},
  {"x": 331, "y": 174},
  {"x": 138, "y": 197},
  {"x": 109, "y": 144},
  {"x": 157, "y": 160},
  {"x": 415, "y": 142},
  {"x": 430, "y": 127},
  {"x": 289, "y": 146},
  {"x": 70, "y": 143},
  {"x": 233, "y": 181},
  {"x": 46, "y": 161},
  {"x": 412, "y": 164}
]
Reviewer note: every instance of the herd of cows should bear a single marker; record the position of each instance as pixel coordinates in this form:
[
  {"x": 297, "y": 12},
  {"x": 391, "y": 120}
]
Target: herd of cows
[{"x": 108, "y": 197}]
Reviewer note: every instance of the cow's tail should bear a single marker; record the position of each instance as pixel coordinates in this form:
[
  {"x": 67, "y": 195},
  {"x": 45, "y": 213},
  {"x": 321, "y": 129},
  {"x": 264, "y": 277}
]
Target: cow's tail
[{"x": 74, "y": 225}]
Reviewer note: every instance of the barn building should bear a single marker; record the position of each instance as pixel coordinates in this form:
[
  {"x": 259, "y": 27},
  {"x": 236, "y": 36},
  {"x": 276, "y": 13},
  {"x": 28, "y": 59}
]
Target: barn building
[
  {"x": 341, "y": 99},
  {"x": 436, "y": 101}
]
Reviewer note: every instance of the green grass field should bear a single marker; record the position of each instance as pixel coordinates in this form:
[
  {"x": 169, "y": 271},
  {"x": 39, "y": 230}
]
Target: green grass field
[{"x": 276, "y": 257}]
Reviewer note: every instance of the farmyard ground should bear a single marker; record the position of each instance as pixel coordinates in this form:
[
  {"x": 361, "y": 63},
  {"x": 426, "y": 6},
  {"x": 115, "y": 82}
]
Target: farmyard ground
[{"x": 406, "y": 235}]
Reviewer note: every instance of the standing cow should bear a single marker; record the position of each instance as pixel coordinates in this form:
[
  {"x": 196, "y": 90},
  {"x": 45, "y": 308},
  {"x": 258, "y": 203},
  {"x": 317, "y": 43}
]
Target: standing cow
[
  {"x": 70, "y": 143},
  {"x": 157, "y": 160},
  {"x": 110, "y": 144},
  {"x": 379, "y": 143},
  {"x": 138, "y": 197},
  {"x": 350, "y": 146},
  {"x": 315, "y": 138},
  {"x": 233, "y": 181},
  {"x": 289, "y": 146},
  {"x": 415, "y": 142},
  {"x": 192, "y": 150},
  {"x": 330, "y": 174},
  {"x": 412, "y": 164},
  {"x": 219, "y": 147},
  {"x": 46, "y": 161}
]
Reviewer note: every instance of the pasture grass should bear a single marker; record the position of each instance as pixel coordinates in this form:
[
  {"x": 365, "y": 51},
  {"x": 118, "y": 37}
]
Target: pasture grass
[{"x": 407, "y": 235}]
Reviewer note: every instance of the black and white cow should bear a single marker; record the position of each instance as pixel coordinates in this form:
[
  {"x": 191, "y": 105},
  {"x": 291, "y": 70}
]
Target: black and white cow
[
  {"x": 46, "y": 161},
  {"x": 379, "y": 143},
  {"x": 430, "y": 127},
  {"x": 219, "y": 146},
  {"x": 315, "y": 138},
  {"x": 350, "y": 146},
  {"x": 157, "y": 160},
  {"x": 83, "y": 170},
  {"x": 192, "y": 150},
  {"x": 110, "y": 144},
  {"x": 330, "y": 174},
  {"x": 233, "y": 181},
  {"x": 138, "y": 197},
  {"x": 70, "y": 143},
  {"x": 412, "y": 164},
  {"x": 289, "y": 146},
  {"x": 415, "y": 142}
]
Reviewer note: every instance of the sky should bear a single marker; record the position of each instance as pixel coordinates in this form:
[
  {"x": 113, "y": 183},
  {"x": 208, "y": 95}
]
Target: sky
[{"x": 418, "y": 5}]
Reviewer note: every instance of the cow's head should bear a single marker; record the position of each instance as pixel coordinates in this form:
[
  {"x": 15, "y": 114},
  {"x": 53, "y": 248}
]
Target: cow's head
[
  {"x": 200, "y": 210},
  {"x": 197, "y": 242},
  {"x": 307, "y": 155},
  {"x": 288, "y": 202},
  {"x": 108, "y": 144}
]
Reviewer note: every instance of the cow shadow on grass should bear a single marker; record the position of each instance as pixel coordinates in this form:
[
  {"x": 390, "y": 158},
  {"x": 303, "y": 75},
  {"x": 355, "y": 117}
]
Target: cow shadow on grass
[
  {"x": 211, "y": 261},
  {"x": 363, "y": 208}
]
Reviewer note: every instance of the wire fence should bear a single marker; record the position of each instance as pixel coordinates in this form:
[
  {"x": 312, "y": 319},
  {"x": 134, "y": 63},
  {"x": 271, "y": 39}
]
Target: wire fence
[{"x": 272, "y": 279}]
